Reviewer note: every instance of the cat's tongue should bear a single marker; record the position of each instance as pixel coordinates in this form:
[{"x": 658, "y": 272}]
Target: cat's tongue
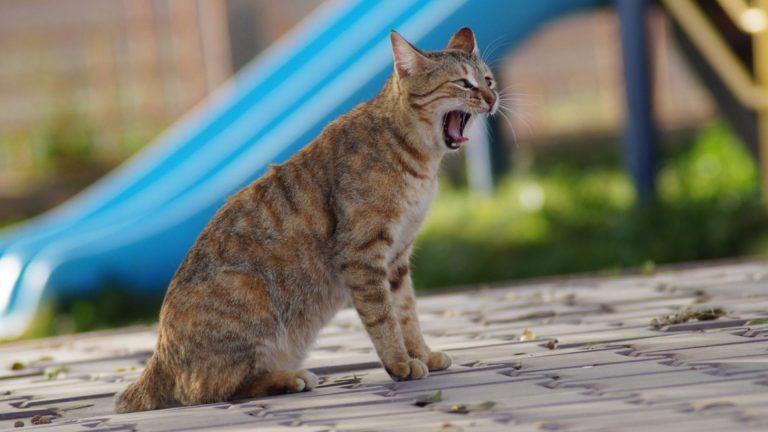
[{"x": 454, "y": 127}]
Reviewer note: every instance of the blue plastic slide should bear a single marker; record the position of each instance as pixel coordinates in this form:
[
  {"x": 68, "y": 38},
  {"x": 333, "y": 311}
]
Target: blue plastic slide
[{"x": 132, "y": 228}]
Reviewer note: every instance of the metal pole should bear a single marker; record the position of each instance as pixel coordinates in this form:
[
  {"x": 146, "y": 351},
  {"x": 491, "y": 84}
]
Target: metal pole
[
  {"x": 640, "y": 135},
  {"x": 478, "y": 154}
]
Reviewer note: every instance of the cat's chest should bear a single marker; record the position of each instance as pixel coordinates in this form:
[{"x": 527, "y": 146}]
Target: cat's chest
[{"x": 417, "y": 199}]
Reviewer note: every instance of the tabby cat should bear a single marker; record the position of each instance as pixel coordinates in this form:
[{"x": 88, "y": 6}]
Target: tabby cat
[{"x": 335, "y": 222}]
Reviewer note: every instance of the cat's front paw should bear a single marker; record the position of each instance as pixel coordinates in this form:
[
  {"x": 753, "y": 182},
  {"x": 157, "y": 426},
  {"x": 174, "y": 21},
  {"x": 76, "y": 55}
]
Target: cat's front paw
[
  {"x": 407, "y": 370},
  {"x": 438, "y": 361},
  {"x": 308, "y": 379}
]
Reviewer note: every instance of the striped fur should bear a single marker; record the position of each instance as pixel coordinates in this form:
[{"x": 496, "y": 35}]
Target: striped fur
[{"x": 334, "y": 224}]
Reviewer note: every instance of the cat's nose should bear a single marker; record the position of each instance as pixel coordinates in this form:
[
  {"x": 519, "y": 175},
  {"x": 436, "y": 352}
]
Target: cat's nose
[{"x": 490, "y": 100}]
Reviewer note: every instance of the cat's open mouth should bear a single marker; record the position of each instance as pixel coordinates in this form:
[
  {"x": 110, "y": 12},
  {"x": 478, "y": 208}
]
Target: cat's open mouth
[{"x": 453, "y": 128}]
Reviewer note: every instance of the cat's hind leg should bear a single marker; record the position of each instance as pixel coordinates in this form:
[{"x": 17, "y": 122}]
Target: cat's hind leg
[
  {"x": 214, "y": 333},
  {"x": 277, "y": 382},
  {"x": 210, "y": 383}
]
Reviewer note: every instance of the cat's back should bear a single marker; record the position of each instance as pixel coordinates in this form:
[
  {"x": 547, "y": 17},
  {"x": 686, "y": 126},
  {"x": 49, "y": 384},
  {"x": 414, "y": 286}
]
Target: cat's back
[
  {"x": 270, "y": 223},
  {"x": 291, "y": 214}
]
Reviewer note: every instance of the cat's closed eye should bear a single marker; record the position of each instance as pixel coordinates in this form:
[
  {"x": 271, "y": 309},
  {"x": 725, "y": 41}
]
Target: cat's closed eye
[{"x": 464, "y": 83}]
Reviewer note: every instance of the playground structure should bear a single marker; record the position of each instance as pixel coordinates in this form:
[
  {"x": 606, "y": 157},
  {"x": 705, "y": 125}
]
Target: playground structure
[
  {"x": 731, "y": 41},
  {"x": 132, "y": 228}
]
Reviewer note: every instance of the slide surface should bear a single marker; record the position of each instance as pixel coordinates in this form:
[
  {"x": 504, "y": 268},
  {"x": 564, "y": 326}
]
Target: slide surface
[{"x": 132, "y": 228}]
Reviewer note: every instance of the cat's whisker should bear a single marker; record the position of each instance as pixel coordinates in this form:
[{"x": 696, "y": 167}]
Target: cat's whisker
[
  {"x": 487, "y": 125},
  {"x": 511, "y": 106},
  {"x": 523, "y": 120},
  {"x": 511, "y": 127},
  {"x": 488, "y": 50},
  {"x": 510, "y": 87},
  {"x": 514, "y": 112},
  {"x": 518, "y": 99},
  {"x": 495, "y": 61},
  {"x": 494, "y": 64},
  {"x": 492, "y": 48},
  {"x": 510, "y": 91}
]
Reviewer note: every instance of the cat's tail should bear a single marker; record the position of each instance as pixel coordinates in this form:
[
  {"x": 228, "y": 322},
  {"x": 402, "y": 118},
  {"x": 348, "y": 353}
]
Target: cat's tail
[{"x": 152, "y": 390}]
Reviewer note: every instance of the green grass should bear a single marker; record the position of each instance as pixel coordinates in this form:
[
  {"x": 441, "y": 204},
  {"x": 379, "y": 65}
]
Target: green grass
[
  {"x": 113, "y": 306},
  {"x": 567, "y": 219}
]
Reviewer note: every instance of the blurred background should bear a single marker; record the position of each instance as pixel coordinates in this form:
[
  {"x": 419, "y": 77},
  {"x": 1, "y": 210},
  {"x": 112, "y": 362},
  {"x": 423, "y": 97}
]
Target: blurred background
[{"x": 86, "y": 84}]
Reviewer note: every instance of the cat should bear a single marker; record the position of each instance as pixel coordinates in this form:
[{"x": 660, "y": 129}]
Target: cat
[{"x": 334, "y": 223}]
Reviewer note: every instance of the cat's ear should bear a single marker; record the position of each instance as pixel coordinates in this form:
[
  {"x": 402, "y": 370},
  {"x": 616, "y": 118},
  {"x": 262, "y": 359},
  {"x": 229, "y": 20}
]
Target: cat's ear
[
  {"x": 408, "y": 59},
  {"x": 464, "y": 40}
]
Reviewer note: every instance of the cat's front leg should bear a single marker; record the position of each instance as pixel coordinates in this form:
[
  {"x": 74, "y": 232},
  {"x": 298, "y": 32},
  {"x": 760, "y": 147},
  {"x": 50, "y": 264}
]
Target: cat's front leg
[
  {"x": 401, "y": 288},
  {"x": 364, "y": 271}
]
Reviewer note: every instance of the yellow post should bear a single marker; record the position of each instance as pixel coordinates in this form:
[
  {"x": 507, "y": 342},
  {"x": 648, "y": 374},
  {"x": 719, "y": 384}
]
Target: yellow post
[
  {"x": 752, "y": 18},
  {"x": 760, "y": 55}
]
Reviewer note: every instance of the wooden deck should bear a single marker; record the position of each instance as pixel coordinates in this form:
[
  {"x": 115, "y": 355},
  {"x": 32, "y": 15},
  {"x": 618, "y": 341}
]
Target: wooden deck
[{"x": 572, "y": 355}]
